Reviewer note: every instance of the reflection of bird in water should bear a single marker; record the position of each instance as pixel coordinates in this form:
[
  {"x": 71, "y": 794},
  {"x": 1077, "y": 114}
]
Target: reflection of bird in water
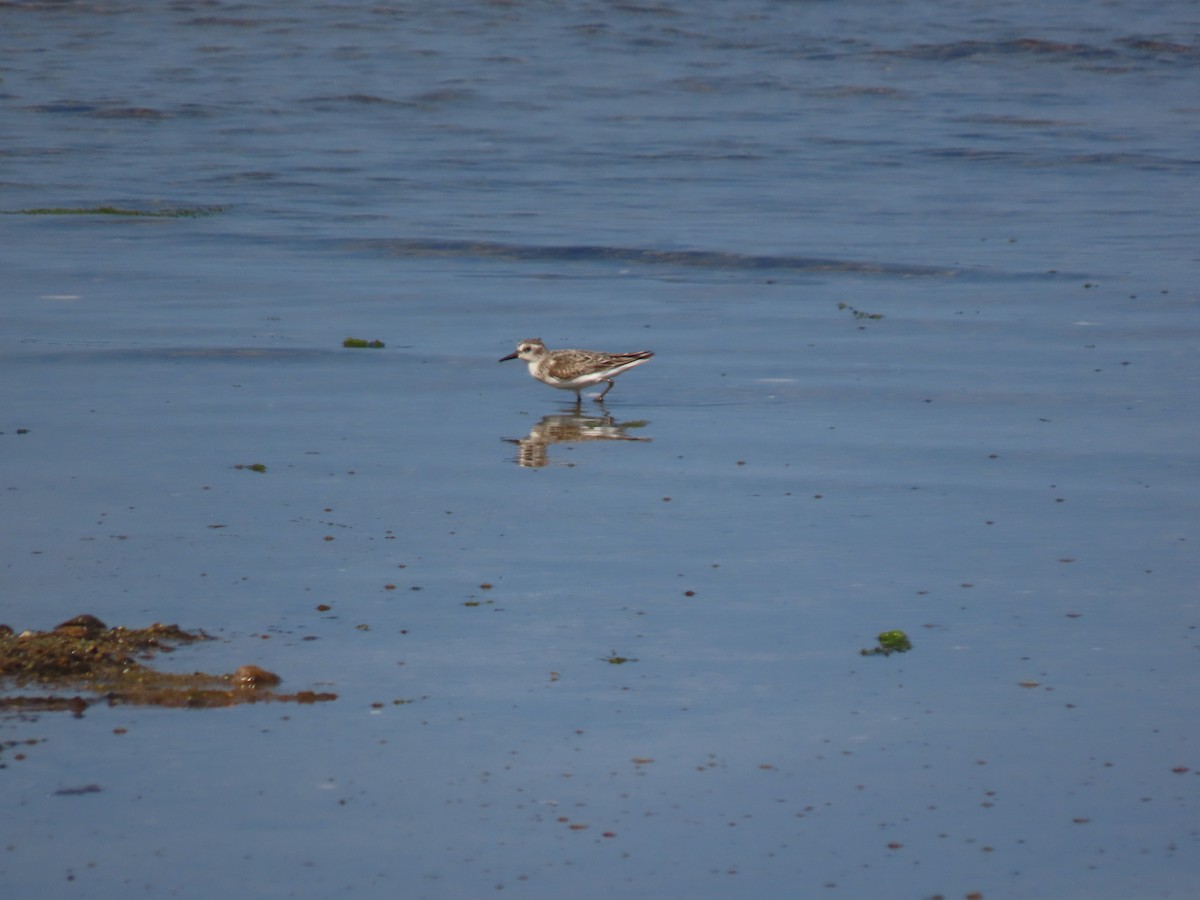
[
  {"x": 574, "y": 370},
  {"x": 534, "y": 451}
]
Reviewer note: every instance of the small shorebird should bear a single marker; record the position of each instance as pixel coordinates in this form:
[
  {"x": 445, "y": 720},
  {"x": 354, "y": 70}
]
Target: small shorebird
[{"x": 574, "y": 370}]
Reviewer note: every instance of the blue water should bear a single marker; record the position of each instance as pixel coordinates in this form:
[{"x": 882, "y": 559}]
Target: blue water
[
  {"x": 921, "y": 278},
  {"x": 927, "y": 133}
]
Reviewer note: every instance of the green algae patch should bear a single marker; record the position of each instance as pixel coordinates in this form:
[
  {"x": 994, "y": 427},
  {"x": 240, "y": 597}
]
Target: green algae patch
[
  {"x": 83, "y": 661},
  {"x": 616, "y": 660},
  {"x": 362, "y": 343},
  {"x": 181, "y": 212},
  {"x": 889, "y": 642}
]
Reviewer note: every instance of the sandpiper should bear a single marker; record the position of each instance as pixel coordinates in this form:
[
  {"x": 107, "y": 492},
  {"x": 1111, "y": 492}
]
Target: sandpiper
[{"x": 574, "y": 370}]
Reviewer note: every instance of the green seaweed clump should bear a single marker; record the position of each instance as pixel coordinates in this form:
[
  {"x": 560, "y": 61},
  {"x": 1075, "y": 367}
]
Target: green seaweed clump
[
  {"x": 360, "y": 343},
  {"x": 889, "y": 642},
  {"x": 85, "y": 655},
  {"x": 616, "y": 660}
]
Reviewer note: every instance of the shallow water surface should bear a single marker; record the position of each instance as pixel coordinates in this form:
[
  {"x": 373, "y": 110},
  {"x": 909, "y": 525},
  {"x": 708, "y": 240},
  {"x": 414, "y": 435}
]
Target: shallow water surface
[{"x": 920, "y": 278}]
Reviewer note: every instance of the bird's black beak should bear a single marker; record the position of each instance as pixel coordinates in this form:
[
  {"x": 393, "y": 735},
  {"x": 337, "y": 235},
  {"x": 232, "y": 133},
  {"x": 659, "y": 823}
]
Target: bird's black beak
[{"x": 506, "y": 358}]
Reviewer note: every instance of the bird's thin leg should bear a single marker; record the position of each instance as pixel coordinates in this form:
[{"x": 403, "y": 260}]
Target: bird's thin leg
[{"x": 605, "y": 391}]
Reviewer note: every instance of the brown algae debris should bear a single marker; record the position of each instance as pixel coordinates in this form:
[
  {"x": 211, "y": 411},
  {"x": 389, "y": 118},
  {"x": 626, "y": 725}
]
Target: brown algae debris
[
  {"x": 858, "y": 313},
  {"x": 86, "y": 658}
]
